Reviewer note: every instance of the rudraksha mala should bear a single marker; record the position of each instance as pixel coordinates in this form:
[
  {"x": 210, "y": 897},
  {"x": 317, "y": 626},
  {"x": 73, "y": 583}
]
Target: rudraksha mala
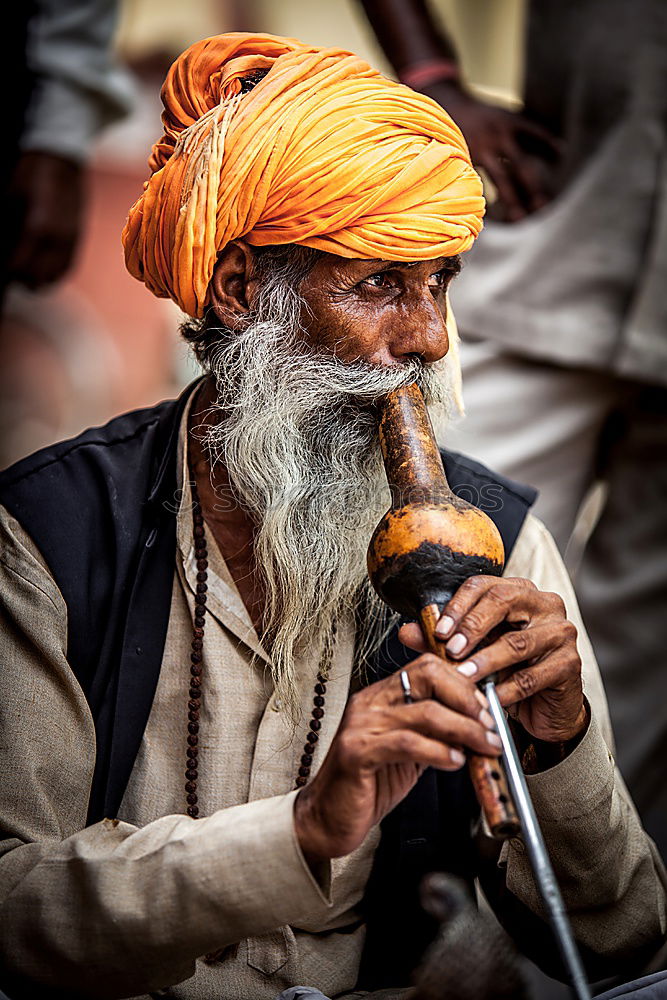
[
  {"x": 196, "y": 655},
  {"x": 196, "y": 661},
  {"x": 317, "y": 713}
]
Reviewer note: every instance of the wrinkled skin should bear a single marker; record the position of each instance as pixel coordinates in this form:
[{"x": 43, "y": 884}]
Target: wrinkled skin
[{"x": 384, "y": 312}]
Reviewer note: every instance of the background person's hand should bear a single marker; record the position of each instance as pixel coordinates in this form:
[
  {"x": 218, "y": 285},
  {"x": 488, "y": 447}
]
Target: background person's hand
[
  {"x": 515, "y": 153},
  {"x": 538, "y": 664},
  {"x": 381, "y": 748},
  {"x": 47, "y": 195}
]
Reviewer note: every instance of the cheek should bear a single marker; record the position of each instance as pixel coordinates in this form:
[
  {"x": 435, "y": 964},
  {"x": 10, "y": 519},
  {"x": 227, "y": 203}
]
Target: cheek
[{"x": 351, "y": 330}]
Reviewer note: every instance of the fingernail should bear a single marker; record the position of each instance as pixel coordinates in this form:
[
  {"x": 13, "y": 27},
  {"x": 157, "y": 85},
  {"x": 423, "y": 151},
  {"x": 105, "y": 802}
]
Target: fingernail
[
  {"x": 456, "y": 757},
  {"x": 481, "y": 698},
  {"x": 486, "y": 719},
  {"x": 444, "y": 627},
  {"x": 468, "y": 669},
  {"x": 457, "y": 644},
  {"x": 494, "y": 740}
]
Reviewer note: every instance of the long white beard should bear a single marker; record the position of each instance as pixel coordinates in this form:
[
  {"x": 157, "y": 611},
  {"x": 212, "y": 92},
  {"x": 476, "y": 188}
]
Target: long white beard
[{"x": 296, "y": 432}]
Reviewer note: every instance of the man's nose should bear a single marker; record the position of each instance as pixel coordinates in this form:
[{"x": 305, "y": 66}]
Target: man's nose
[{"x": 423, "y": 331}]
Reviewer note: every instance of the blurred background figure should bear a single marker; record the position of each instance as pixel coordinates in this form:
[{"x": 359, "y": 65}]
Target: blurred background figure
[
  {"x": 61, "y": 87},
  {"x": 79, "y": 341},
  {"x": 561, "y": 306}
]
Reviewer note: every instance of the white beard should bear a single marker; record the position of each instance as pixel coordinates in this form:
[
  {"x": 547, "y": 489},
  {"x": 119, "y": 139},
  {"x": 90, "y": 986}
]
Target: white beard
[{"x": 296, "y": 432}]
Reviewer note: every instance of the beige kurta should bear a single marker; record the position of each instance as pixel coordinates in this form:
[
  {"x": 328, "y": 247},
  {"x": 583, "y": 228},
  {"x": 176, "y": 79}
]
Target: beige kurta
[{"x": 125, "y": 907}]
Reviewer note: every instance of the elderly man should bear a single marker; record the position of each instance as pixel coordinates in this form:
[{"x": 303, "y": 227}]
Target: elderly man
[{"x": 213, "y": 785}]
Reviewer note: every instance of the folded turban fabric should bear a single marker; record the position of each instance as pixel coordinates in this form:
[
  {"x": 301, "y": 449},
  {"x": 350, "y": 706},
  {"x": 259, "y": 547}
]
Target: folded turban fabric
[{"x": 322, "y": 151}]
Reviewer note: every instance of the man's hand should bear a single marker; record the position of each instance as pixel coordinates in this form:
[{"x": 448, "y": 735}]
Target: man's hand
[
  {"x": 47, "y": 192},
  {"x": 381, "y": 748},
  {"x": 513, "y": 151},
  {"x": 539, "y": 666}
]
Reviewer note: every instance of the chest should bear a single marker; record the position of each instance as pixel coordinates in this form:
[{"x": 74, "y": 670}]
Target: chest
[{"x": 248, "y": 746}]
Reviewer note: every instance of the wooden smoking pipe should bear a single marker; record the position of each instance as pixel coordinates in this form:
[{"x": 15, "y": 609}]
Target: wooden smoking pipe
[
  {"x": 425, "y": 546},
  {"x": 423, "y": 549}
]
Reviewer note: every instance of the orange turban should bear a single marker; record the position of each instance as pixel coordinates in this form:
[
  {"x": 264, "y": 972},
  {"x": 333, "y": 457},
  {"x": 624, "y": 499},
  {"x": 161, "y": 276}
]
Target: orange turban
[{"x": 322, "y": 151}]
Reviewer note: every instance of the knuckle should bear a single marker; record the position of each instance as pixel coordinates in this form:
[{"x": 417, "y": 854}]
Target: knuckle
[
  {"x": 476, "y": 584},
  {"x": 430, "y": 665},
  {"x": 520, "y": 581},
  {"x": 349, "y": 747},
  {"x": 526, "y": 682},
  {"x": 472, "y": 622},
  {"x": 504, "y": 591},
  {"x": 429, "y": 713},
  {"x": 574, "y": 662},
  {"x": 518, "y": 642},
  {"x": 356, "y": 706},
  {"x": 569, "y": 632},
  {"x": 555, "y": 602},
  {"x": 501, "y": 598},
  {"x": 404, "y": 741}
]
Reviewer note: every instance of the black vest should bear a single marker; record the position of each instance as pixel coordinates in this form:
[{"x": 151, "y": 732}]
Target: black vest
[{"x": 101, "y": 509}]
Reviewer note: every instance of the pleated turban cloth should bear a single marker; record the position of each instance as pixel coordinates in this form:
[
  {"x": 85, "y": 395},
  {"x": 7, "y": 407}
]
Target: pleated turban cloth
[{"x": 322, "y": 151}]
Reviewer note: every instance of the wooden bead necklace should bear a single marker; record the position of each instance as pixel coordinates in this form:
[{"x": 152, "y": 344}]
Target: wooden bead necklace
[{"x": 196, "y": 661}]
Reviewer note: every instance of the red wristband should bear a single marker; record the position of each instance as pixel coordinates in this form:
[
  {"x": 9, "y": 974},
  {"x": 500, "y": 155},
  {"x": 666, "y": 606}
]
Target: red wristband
[{"x": 423, "y": 74}]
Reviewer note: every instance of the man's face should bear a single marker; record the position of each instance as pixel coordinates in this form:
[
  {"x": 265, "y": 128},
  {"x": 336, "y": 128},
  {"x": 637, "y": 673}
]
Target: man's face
[
  {"x": 297, "y": 429},
  {"x": 381, "y": 312}
]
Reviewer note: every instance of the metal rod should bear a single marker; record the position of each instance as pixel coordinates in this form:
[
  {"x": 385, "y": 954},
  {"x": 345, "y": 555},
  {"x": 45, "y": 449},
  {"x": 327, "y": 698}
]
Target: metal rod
[{"x": 545, "y": 878}]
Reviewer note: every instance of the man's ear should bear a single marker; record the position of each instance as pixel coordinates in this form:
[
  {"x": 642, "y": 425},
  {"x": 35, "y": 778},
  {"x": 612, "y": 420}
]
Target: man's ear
[{"x": 229, "y": 286}]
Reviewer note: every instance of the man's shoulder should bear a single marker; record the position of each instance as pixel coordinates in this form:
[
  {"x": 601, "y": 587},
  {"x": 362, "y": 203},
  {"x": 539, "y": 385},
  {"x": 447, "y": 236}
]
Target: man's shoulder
[{"x": 87, "y": 498}]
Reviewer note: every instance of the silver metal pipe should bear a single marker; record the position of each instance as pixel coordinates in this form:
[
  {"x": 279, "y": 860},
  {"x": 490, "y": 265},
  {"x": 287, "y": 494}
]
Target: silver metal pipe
[{"x": 537, "y": 851}]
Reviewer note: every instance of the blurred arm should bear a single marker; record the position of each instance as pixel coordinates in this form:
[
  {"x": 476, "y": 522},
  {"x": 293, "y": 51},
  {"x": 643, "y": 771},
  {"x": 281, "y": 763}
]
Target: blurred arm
[
  {"x": 407, "y": 33},
  {"x": 511, "y": 149},
  {"x": 78, "y": 89}
]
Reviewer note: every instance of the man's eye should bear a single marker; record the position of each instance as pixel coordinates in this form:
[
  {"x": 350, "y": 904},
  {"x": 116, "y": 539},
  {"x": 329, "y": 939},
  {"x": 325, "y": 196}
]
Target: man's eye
[
  {"x": 379, "y": 280},
  {"x": 440, "y": 279}
]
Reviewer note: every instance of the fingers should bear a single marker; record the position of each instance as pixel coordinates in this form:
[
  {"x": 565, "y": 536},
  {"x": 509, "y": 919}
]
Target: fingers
[
  {"x": 528, "y": 175},
  {"x": 516, "y": 159},
  {"x": 431, "y": 678},
  {"x": 404, "y": 746},
  {"x": 547, "y": 144},
  {"x": 483, "y": 602},
  {"x": 411, "y": 635},
  {"x": 437, "y": 722},
  {"x": 516, "y": 647},
  {"x": 559, "y": 670},
  {"x": 447, "y": 709},
  {"x": 498, "y": 169}
]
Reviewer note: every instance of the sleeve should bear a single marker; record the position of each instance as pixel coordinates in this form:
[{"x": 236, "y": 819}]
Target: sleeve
[
  {"x": 610, "y": 874},
  {"x": 116, "y": 910},
  {"x": 78, "y": 88}
]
